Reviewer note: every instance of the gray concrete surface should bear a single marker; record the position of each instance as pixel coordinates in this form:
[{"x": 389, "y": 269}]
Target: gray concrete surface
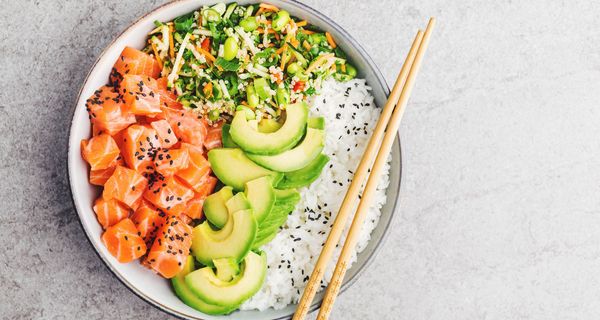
[{"x": 500, "y": 214}]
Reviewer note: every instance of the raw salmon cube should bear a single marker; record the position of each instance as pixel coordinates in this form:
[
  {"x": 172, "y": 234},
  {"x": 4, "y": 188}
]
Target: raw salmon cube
[
  {"x": 100, "y": 152},
  {"x": 197, "y": 169},
  {"x": 165, "y": 133},
  {"x": 148, "y": 219},
  {"x": 107, "y": 111},
  {"x": 167, "y": 162},
  {"x": 169, "y": 195},
  {"x": 170, "y": 248},
  {"x": 139, "y": 144},
  {"x": 109, "y": 212},
  {"x": 125, "y": 185},
  {"x": 141, "y": 97},
  {"x": 123, "y": 242},
  {"x": 134, "y": 62},
  {"x": 213, "y": 137}
]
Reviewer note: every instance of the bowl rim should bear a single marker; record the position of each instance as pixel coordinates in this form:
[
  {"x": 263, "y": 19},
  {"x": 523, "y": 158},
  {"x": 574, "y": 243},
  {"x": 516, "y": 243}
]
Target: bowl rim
[{"x": 377, "y": 246}]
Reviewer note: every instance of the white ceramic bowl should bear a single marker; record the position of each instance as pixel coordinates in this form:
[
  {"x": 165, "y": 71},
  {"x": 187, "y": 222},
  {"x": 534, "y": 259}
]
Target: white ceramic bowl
[{"x": 152, "y": 288}]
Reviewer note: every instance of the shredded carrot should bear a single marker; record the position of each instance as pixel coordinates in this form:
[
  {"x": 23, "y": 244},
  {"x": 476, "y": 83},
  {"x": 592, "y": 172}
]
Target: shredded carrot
[
  {"x": 259, "y": 11},
  {"x": 270, "y": 45},
  {"x": 282, "y": 66},
  {"x": 306, "y": 45},
  {"x": 333, "y": 68},
  {"x": 268, "y": 7},
  {"x": 307, "y": 31},
  {"x": 301, "y": 23},
  {"x": 171, "y": 43},
  {"x": 207, "y": 89},
  {"x": 343, "y": 67},
  {"x": 330, "y": 40},
  {"x": 265, "y": 22},
  {"x": 319, "y": 61},
  {"x": 294, "y": 42},
  {"x": 207, "y": 54},
  {"x": 156, "y": 55},
  {"x": 280, "y": 50},
  {"x": 244, "y": 103}
]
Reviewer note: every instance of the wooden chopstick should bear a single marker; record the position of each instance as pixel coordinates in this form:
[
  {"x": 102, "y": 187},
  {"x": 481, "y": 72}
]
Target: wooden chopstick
[
  {"x": 380, "y": 161},
  {"x": 352, "y": 193}
]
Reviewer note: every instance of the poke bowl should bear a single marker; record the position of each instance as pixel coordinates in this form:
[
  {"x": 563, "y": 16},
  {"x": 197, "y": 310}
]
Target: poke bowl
[{"x": 338, "y": 103}]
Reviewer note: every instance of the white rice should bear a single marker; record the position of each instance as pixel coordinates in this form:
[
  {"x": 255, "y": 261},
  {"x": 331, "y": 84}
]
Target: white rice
[{"x": 350, "y": 116}]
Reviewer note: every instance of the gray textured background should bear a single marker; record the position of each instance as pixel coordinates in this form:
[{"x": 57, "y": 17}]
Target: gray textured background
[{"x": 500, "y": 212}]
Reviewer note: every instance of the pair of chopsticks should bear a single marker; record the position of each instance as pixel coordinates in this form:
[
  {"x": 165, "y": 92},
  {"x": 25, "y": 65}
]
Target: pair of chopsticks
[{"x": 388, "y": 124}]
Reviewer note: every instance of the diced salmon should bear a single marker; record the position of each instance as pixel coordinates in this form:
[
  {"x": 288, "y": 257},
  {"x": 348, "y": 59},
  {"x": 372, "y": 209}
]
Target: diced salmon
[
  {"x": 109, "y": 212},
  {"x": 134, "y": 62},
  {"x": 99, "y": 177},
  {"x": 107, "y": 111},
  {"x": 197, "y": 169},
  {"x": 168, "y": 98},
  {"x": 187, "y": 220},
  {"x": 141, "y": 97},
  {"x": 170, "y": 248},
  {"x": 148, "y": 219},
  {"x": 188, "y": 127},
  {"x": 169, "y": 195},
  {"x": 213, "y": 137},
  {"x": 100, "y": 152},
  {"x": 123, "y": 242},
  {"x": 167, "y": 162},
  {"x": 139, "y": 144},
  {"x": 165, "y": 133},
  {"x": 125, "y": 185}
]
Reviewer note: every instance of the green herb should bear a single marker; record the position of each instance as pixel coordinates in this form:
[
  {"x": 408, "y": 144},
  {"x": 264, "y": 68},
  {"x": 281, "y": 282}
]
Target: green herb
[
  {"x": 184, "y": 23},
  {"x": 232, "y": 65}
]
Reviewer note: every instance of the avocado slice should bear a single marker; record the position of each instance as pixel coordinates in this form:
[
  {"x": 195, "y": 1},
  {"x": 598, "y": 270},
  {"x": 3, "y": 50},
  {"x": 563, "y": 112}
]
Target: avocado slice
[
  {"x": 191, "y": 299},
  {"x": 238, "y": 202},
  {"x": 226, "y": 137},
  {"x": 205, "y": 283},
  {"x": 253, "y": 141},
  {"x": 316, "y": 123},
  {"x": 285, "y": 203},
  {"x": 296, "y": 158},
  {"x": 305, "y": 176},
  {"x": 229, "y": 242},
  {"x": 227, "y": 268},
  {"x": 261, "y": 196},
  {"x": 268, "y": 125},
  {"x": 234, "y": 169},
  {"x": 214, "y": 206}
]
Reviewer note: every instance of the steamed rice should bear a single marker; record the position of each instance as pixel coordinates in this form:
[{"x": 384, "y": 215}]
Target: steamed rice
[{"x": 350, "y": 116}]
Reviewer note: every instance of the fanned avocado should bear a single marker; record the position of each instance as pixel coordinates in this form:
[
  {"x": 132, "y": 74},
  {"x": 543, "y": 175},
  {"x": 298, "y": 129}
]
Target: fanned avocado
[
  {"x": 191, "y": 299},
  {"x": 316, "y": 123},
  {"x": 238, "y": 202},
  {"x": 305, "y": 176},
  {"x": 206, "y": 285},
  {"x": 268, "y": 125},
  {"x": 234, "y": 169},
  {"x": 229, "y": 242},
  {"x": 285, "y": 203},
  {"x": 296, "y": 158},
  {"x": 226, "y": 137},
  {"x": 214, "y": 206},
  {"x": 253, "y": 141},
  {"x": 261, "y": 196},
  {"x": 227, "y": 268}
]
